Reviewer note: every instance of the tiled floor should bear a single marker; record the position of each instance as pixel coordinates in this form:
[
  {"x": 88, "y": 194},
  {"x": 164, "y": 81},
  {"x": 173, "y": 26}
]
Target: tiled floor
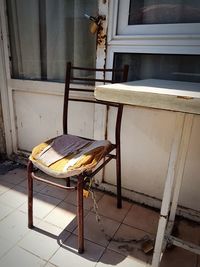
[{"x": 53, "y": 241}]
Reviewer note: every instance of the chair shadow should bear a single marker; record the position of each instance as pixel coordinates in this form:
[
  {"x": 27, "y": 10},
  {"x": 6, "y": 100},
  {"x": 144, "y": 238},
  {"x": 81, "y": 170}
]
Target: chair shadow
[{"x": 127, "y": 249}]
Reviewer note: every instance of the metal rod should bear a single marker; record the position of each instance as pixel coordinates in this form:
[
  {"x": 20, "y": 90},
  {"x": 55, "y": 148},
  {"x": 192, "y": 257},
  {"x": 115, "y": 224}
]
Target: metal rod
[
  {"x": 118, "y": 155},
  {"x": 72, "y": 188},
  {"x": 30, "y": 194},
  {"x": 66, "y": 96},
  {"x": 100, "y": 167},
  {"x": 92, "y": 69}
]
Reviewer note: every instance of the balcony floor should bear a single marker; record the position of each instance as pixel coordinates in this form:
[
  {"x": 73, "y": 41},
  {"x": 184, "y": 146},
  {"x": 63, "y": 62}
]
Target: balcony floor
[{"x": 53, "y": 241}]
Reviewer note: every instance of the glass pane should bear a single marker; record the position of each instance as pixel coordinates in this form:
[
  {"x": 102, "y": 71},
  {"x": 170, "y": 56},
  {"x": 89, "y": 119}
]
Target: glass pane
[
  {"x": 45, "y": 34},
  {"x": 164, "y": 11},
  {"x": 160, "y": 66}
]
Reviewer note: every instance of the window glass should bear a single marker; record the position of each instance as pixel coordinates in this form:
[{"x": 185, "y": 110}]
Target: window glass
[
  {"x": 45, "y": 34},
  {"x": 160, "y": 66},
  {"x": 163, "y": 11}
]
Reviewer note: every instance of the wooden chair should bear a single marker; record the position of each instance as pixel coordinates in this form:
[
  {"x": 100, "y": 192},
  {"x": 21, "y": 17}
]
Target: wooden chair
[{"x": 72, "y": 83}]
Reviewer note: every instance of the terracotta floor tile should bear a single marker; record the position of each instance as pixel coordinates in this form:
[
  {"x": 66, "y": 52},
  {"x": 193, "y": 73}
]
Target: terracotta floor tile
[
  {"x": 67, "y": 255},
  {"x": 108, "y": 208},
  {"x": 93, "y": 230},
  {"x": 42, "y": 205},
  {"x": 4, "y": 186},
  {"x": 88, "y": 202},
  {"x": 14, "y": 226},
  {"x": 142, "y": 218},
  {"x": 37, "y": 186},
  {"x": 49, "y": 228},
  {"x": 15, "y": 176},
  {"x": 189, "y": 231},
  {"x": 50, "y": 265},
  {"x": 42, "y": 243},
  {"x": 14, "y": 197},
  {"x": 112, "y": 258},
  {"x": 55, "y": 192},
  {"x": 124, "y": 243},
  {"x": 4, "y": 210},
  {"x": 63, "y": 216},
  {"x": 178, "y": 257},
  {"x": 20, "y": 257},
  {"x": 5, "y": 246}
]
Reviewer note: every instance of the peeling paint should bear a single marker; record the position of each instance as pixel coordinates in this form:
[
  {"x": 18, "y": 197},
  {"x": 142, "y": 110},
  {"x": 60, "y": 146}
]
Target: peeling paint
[{"x": 101, "y": 35}]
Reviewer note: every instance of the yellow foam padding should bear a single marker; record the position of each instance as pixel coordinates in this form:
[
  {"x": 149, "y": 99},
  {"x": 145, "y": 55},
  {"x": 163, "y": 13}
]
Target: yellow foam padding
[{"x": 86, "y": 162}]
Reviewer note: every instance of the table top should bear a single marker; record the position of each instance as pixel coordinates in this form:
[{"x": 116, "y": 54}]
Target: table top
[{"x": 153, "y": 93}]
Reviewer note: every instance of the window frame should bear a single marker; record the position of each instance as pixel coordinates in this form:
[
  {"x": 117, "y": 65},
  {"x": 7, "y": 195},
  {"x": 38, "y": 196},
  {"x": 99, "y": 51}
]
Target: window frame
[
  {"x": 181, "y": 34},
  {"x": 172, "y": 28}
]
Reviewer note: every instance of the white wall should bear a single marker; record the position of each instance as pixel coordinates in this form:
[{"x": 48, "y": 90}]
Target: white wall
[
  {"x": 38, "y": 117},
  {"x": 146, "y": 143}
]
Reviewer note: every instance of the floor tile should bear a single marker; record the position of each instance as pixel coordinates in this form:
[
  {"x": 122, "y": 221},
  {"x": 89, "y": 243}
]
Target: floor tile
[
  {"x": 64, "y": 216},
  {"x": 50, "y": 265},
  {"x": 111, "y": 258},
  {"x": 15, "y": 176},
  {"x": 67, "y": 255},
  {"x": 20, "y": 257},
  {"x": 5, "y": 246},
  {"x": 107, "y": 207},
  {"x": 49, "y": 228},
  {"x": 4, "y": 187},
  {"x": 15, "y": 197},
  {"x": 88, "y": 202},
  {"x": 42, "y": 205},
  {"x": 37, "y": 186},
  {"x": 123, "y": 242},
  {"x": 178, "y": 257},
  {"x": 43, "y": 243},
  {"x": 55, "y": 192},
  {"x": 14, "y": 226},
  {"x": 142, "y": 218},
  {"x": 95, "y": 231},
  {"x": 189, "y": 231},
  {"x": 4, "y": 210}
]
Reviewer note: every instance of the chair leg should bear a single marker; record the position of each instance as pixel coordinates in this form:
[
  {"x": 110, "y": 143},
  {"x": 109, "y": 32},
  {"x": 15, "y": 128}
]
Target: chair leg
[
  {"x": 30, "y": 194},
  {"x": 118, "y": 170},
  {"x": 80, "y": 215}
]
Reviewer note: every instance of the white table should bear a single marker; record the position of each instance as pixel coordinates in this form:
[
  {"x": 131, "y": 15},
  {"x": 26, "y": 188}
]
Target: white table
[{"x": 184, "y": 98}]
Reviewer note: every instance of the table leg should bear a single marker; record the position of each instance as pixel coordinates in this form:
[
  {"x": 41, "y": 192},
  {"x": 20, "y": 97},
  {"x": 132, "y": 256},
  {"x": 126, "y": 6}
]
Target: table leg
[
  {"x": 168, "y": 189},
  {"x": 181, "y": 164}
]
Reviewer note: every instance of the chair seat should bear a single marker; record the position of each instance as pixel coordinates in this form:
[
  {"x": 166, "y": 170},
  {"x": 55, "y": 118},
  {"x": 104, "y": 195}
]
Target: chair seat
[{"x": 68, "y": 155}]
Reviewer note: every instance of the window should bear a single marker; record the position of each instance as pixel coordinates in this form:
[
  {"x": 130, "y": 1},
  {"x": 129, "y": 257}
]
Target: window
[
  {"x": 154, "y": 17},
  {"x": 45, "y": 34},
  {"x": 160, "y": 66},
  {"x": 159, "y": 39},
  {"x": 163, "y": 12}
]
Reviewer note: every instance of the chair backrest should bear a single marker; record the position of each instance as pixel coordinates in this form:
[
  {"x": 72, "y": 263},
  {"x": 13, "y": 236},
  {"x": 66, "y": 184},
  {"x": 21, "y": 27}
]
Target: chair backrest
[{"x": 83, "y": 80}]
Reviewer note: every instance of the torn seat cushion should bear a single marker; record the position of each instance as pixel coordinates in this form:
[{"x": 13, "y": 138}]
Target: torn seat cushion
[{"x": 68, "y": 155}]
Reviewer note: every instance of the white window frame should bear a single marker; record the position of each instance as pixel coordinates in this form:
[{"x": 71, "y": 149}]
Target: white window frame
[{"x": 160, "y": 34}]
